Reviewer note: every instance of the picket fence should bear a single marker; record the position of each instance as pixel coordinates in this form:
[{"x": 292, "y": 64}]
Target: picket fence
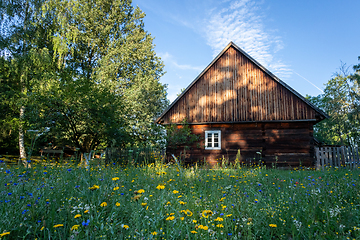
[{"x": 337, "y": 157}]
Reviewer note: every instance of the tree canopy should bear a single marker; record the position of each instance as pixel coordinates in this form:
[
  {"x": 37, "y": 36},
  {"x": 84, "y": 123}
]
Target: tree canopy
[
  {"x": 93, "y": 75},
  {"x": 340, "y": 101}
]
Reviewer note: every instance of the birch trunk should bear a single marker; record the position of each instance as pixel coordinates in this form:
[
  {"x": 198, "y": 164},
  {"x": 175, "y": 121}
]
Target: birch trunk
[{"x": 21, "y": 137}]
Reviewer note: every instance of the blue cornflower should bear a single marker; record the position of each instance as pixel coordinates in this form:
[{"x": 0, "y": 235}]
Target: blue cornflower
[
  {"x": 229, "y": 234},
  {"x": 122, "y": 193},
  {"x": 69, "y": 170},
  {"x": 9, "y": 193},
  {"x": 77, "y": 186},
  {"x": 7, "y": 171},
  {"x": 86, "y": 223},
  {"x": 22, "y": 197},
  {"x": 29, "y": 205},
  {"x": 260, "y": 190}
]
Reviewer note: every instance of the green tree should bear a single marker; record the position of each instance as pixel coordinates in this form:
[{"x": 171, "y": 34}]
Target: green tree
[
  {"x": 107, "y": 85},
  {"x": 24, "y": 54},
  {"x": 339, "y": 102}
]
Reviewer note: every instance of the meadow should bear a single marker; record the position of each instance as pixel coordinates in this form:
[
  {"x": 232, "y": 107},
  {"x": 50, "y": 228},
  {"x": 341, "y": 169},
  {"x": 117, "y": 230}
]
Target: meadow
[{"x": 157, "y": 201}]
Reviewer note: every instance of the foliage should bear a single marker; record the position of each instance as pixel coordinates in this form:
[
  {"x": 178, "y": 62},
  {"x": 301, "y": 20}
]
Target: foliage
[
  {"x": 87, "y": 71},
  {"x": 115, "y": 202},
  {"x": 24, "y": 53},
  {"x": 180, "y": 135},
  {"x": 339, "y": 100},
  {"x": 9, "y": 119}
]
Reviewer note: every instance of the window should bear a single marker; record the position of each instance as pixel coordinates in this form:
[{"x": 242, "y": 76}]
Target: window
[{"x": 213, "y": 140}]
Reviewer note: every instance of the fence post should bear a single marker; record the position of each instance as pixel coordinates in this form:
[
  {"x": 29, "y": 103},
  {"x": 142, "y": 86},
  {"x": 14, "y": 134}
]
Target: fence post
[
  {"x": 356, "y": 157},
  {"x": 317, "y": 158},
  {"x": 322, "y": 153},
  {"x": 338, "y": 157}
]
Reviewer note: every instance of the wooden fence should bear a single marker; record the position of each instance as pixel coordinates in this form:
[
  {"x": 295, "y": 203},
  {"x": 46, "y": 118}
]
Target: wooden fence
[{"x": 337, "y": 157}]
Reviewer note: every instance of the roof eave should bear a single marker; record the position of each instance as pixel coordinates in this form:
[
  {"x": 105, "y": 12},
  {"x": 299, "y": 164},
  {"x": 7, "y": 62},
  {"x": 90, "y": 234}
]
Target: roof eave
[{"x": 257, "y": 64}]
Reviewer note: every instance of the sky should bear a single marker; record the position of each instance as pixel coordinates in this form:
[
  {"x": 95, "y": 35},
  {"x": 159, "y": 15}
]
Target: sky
[{"x": 303, "y": 43}]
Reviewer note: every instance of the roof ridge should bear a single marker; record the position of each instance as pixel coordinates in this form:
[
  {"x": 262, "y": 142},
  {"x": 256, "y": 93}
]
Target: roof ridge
[{"x": 232, "y": 44}]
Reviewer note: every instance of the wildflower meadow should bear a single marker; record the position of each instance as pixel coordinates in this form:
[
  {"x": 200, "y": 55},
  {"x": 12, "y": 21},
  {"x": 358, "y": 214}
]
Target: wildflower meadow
[{"x": 158, "y": 201}]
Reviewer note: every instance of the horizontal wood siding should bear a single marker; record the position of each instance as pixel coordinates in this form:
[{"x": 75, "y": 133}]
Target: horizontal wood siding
[
  {"x": 283, "y": 144},
  {"x": 234, "y": 89}
]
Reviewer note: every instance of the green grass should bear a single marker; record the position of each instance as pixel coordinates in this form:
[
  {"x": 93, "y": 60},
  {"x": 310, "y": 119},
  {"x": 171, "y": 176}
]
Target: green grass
[{"x": 246, "y": 203}]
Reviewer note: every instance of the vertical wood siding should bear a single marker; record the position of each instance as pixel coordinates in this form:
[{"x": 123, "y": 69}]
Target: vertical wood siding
[{"x": 234, "y": 89}]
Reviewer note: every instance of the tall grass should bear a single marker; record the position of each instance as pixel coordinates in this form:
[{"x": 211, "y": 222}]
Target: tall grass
[{"x": 156, "y": 201}]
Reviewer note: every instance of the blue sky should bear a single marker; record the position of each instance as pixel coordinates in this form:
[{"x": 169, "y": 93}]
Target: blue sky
[{"x": 301, "y": 42}]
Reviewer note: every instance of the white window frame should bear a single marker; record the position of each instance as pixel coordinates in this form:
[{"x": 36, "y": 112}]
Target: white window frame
[{"x": 212, "y": 140}]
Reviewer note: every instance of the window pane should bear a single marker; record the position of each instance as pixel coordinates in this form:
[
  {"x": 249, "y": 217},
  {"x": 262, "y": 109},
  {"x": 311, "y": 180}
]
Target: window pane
[
  {"x": 216, "y": 140},
  {"x": 216, "y": 135},
  {"x": 216, "y": 144},
  {"x": 209, "y": 144}
]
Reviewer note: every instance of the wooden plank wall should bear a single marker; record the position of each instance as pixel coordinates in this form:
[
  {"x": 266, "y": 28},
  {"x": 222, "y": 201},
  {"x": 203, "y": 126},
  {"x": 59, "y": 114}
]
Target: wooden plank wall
[
  {"x": 234, "y": 89},
  {"x": 283, "y": 144}
]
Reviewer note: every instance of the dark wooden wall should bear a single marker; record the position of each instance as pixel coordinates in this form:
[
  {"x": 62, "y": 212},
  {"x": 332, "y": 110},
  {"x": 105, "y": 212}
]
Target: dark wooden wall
[
  {"x": 283, "y": 143},
  {"x": 234, "y": 89}
]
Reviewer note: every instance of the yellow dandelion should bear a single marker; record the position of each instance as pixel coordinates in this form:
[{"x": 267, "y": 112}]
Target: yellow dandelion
[
  {"x": 193, "y": 232},
  {"x": 115, "y": 178},
  {"x": 170, "y": 218},
  {"x": 140, "y": 191},
  {"x": 94, "y": 187},
  {"x": 117, "y": 204},
  {"x": 3, "y": 234},
  {"x": 75, "y": 227},
  {"x": 86, "y": 211},
  {"x": 207, "y": 213},
  {"x": 218, "y": 219},
  {"x": 58, "y": 225},
  {"x": 154, "y": 233},
  {"x": 116, "y": 188},
  {"x": 182, "y": 203},
  {"x": 273, "y": 225},
  {"x": 160, "y": 186},
  {"x": 220, "y": 226},
  {"x": 104, "y": 204},
  {"x": 143, "y": 204},
  {"x": 175, "y": 192},
  {"x": 77, "y": 215},
  {"x": 125, "y": 226}
]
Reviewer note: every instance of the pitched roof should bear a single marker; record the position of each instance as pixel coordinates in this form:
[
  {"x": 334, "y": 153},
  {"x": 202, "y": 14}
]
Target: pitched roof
[{"x": 231, "y": 44}]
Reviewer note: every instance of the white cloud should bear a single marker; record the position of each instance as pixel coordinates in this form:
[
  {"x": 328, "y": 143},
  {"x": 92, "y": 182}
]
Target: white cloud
[
  {"x": 169, "y": 59},
  {"x": 243, "y": 23}
]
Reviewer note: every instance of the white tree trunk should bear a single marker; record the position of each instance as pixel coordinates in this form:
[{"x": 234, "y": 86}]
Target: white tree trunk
[{"x": 21, "y": 138}]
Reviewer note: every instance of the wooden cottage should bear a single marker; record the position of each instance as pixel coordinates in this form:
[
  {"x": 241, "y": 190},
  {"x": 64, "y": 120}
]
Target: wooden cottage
[{"x": 237, "y": 104}]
